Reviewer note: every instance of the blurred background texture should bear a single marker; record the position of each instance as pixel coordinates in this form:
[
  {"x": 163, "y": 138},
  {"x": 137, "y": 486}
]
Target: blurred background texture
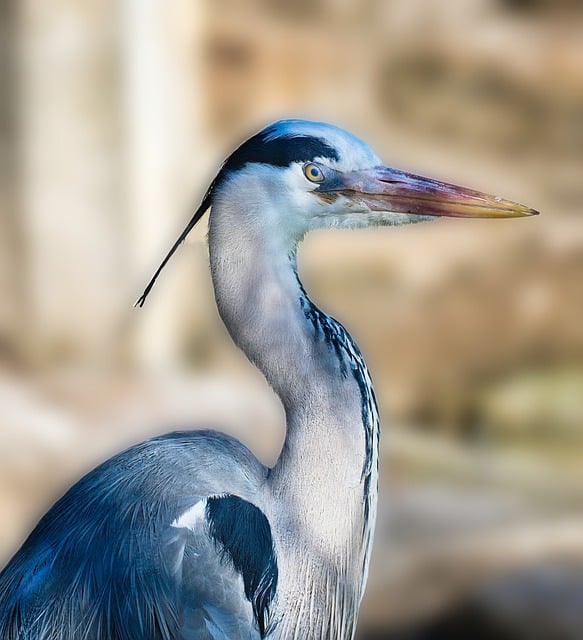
[{"x": 113, "y": 118}]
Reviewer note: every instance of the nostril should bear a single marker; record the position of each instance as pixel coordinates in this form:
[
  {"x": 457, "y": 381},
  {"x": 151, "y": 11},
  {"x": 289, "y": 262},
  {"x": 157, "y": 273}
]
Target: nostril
[{"x": 389, "y": 181}]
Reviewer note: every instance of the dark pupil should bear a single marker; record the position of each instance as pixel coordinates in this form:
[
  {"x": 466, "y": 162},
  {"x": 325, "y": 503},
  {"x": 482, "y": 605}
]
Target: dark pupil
[{"x": 314, "y": 171}]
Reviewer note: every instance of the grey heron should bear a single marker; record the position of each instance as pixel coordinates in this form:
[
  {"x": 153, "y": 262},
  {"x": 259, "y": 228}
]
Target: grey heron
[{"x": 188, "y": 535}]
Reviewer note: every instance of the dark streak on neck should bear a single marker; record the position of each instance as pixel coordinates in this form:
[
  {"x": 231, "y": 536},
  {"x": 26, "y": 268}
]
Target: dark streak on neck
[{"x": 349, "y": 356}]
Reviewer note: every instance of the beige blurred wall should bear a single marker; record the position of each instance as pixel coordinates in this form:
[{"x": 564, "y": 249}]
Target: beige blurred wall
[
  {"x": 69, "y": 189},
  {"x": 104, "y": 155}
]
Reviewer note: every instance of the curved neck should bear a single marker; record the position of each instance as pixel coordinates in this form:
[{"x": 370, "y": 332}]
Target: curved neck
[
  {"x": 323, "y": 486},
  {"x": 258, "y": 294},
  {"x": 304, "y": 354}
]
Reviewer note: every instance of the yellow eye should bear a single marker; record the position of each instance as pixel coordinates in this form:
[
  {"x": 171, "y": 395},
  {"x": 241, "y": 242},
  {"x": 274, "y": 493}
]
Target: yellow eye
[{"x": 313, "y": 172}]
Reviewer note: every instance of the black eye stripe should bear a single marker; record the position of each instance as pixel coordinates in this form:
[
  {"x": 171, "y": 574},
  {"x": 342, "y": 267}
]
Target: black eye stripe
[{"x": 280, "y": 151}]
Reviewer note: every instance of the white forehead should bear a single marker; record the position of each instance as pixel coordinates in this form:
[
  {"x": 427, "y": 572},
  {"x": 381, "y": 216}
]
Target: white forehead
[{"x": 353, "y": 153}]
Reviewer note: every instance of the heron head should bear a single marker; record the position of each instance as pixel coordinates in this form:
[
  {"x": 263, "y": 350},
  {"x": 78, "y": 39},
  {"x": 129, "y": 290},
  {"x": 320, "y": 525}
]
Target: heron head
[
  {"x": 318, "y": 175},
  {"x": 295, "y": 176}
]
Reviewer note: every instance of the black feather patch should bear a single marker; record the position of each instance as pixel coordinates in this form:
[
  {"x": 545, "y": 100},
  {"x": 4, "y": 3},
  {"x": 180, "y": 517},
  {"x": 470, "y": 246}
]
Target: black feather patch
[
  {"x": 243, "y": 534},
  {"x": 279, "y": 151}
]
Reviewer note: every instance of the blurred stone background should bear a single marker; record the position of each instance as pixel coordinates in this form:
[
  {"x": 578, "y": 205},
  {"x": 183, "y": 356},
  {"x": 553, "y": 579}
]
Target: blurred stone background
[{"x": 113, "y": 119}]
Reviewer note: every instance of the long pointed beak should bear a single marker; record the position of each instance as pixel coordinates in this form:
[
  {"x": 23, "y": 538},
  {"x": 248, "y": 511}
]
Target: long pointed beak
[{"x": 392, "y": 190}]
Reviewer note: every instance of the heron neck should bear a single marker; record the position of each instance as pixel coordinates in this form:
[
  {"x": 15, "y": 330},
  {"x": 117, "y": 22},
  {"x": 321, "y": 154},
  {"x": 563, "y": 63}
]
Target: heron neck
[
  {"x": 303, "y": 353},
  {"x": 323, "y": 486}
]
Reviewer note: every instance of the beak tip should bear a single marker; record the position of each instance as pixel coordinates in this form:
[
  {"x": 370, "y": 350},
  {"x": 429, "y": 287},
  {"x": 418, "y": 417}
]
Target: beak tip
[{"x": 531, "y": 212}]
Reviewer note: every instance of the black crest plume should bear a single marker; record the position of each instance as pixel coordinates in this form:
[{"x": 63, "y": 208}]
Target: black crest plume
[{"x": 204, "y": 205}]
